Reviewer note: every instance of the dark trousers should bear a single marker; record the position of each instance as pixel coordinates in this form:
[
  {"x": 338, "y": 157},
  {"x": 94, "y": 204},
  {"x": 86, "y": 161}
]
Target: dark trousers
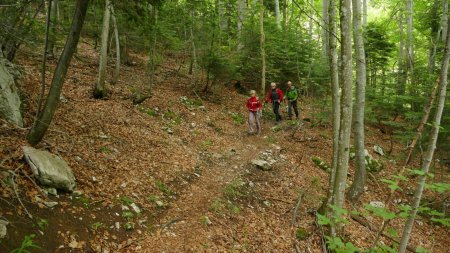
[
  {"x": 276, "y": 110},
  {"x": 292, "y": 104}
]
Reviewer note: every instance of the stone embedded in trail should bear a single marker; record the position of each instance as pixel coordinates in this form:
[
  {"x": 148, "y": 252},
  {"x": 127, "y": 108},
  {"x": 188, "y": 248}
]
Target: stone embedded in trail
[
  {"x": 379, "y": 150},
  {"x": 261, "y": 164},
  {"x": 377, "y": 204},
  {"x": 3, "y": 229},
  {"x": 9, "y": 94},
  {"x": 136, "y": 209},
  {"x": 49, "y": 169}
]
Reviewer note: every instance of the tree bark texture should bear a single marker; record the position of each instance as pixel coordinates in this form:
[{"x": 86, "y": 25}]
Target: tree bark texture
[
  {"x": 117, "y": 42},
  {"x": 100, "y": 89},
  {"x": 262, "y": 47}
]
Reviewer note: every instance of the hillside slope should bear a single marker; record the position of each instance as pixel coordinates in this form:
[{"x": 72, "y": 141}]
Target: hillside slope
[{"x": 185, "y": 161}]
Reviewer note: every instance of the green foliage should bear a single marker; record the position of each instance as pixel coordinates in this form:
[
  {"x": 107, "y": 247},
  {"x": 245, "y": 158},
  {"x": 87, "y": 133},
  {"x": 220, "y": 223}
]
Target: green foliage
[
  {"x": 320, "y": 163},
  {"x": 301, "y": 234},
  {"x": 42, "y": 224},
  {"x": 27, "y": 245},
  {"x": 95, "y": 226},
  {"x": 380, "y": 212},
  {"x": 238, "y": 118},
  {"x": 126, "y": 200},
  {"x": 165, "y": 189},
  {"x": 234, "y": 190},
  {"x": 337, "y": 245}
]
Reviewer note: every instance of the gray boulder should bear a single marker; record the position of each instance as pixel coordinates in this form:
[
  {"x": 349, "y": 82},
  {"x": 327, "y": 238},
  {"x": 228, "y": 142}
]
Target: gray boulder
[
  {"x": 9, "y": 94},
  {"x": 261, "y": 164},
  {"x": 49, "y": 169},
  {"x": 3, "y": 229}
]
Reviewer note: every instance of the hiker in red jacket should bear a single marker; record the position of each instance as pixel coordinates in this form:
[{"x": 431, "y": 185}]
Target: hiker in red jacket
[
  {"x": 253, "y": 105},
  {"x": 275, "y": 96}
]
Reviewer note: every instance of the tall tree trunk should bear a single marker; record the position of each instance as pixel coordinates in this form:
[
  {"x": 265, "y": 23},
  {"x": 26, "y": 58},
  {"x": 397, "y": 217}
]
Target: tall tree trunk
[
  {"x": 100, "y": 89},
  {"x": 410, "y": 44},
  {"x": 285, "y": 13},
  {"x": 311, "y": 18},
  {"x": 43, "y": 122},
  {"x": 242, "y": 12},
  {"x": 401, "y": 82},
  {"x": 444, "y": 19},
  {"x": 431, "y": 147},
  {"x": 364, "y": 6},
  {"x": 193, "y": 67},
  {"x": 325, "y": 33},
  {"x": 334, "y": 78},
  {"x": 346, "y": 104},
  {"x": 359, "y": 182},
  {"x": 262, "y": 46},
  {"x": 277, "y": 14},
  {"x": 50, "y": 48},
  {"x": 117, "y": 42},
  {"x": 223, "y": 21}
]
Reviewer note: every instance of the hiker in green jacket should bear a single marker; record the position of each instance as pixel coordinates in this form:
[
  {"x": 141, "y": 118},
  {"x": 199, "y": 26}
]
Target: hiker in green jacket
[{"x": 292, "y": 96}]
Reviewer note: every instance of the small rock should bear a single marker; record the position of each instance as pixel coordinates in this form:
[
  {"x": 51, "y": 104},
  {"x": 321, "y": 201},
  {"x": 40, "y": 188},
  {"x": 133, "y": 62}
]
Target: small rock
[
  {"x": 261, "y": 164},
  {"x": 125, "y": 208},
  {"x": 78, "y": 159},
  {"x": 207, "y": 221},
  {"x": 251, "y": 184},
  {"x": 379, "y": 150},
  {"x": 51, "y": 191},
  {"x": 136, "y": 209},
  {"x": 3, "y": 229},
  {"x": 159, "y": 203},
  {"x": 377, "y": 204},
  {"x": 50, "y": 204},
  {"x": 77, "y": 193},
  {"x": 267, "y": 203},
  {"x": 117, "y": 225}
]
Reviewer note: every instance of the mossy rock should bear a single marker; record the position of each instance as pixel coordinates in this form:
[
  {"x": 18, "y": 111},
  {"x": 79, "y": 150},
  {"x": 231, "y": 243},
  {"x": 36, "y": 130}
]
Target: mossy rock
[{"x": 320, "y": 163}]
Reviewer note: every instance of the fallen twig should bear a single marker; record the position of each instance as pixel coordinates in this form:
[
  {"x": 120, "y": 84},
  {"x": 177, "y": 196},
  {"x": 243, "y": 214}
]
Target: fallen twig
[
  {"x": 17, "y": 194},
  {"x": 297, "y": 205},
  {"x": 169, "y": 223}
]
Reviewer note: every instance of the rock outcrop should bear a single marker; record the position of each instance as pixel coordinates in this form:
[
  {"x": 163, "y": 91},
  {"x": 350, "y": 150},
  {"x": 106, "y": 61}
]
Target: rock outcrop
[{"x": 9, "y": 93}]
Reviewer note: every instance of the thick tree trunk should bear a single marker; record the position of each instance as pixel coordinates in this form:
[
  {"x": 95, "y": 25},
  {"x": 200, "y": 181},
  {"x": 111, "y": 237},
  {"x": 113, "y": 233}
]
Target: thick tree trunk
[
  {"x": 242, "y": 12},
  {"x": 43, "y": 122},
  {"x": 359, "y": 181},
  {"x": 325, "y": 33},
  {"x": 50, "y": 48},
  {"x": 117, "y": 42},
  {"x": 346, "y": 104},
  {"x": 431, "y": 147},
  {"x": 277, "y": 14},
  {"x": 262, "y": 46},
  {"x": 100, "y": 89}
]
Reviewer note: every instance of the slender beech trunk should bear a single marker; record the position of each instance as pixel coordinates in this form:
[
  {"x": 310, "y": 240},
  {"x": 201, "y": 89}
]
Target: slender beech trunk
[
  {"x": 410, "y": 44},
  {"x": 262, "y": 46},
  {"x": 357, "y": 187},
  {"x": 117, "y": 42},
  {"x": 325, "y": 21},
  {"x": 444, "y": 19},
  {"x": 285, "y": 13},
  {"x": 423, "y": 122},
  {"x": 431, "y": 147},
  {"x": 364, "y": 6},
  {"x": 401, "y": 82},
  {"x": 44, "y": 60},
  {"x": 50, "y": 47},
  {"x": 346, "y": 105},
  {"x": 242, "y": 12},
  {"x": 43, "y": 122},
  {"x": 311, "y": 17},
  {"x": 434, "y": 37},
  {"x": 193, "y": 67},
  {"x": 277, "y": 14},
  {"x": 223, "y": 21},
  {"x": 334, "y": 78},
  {"x": 100, "y": 89}
]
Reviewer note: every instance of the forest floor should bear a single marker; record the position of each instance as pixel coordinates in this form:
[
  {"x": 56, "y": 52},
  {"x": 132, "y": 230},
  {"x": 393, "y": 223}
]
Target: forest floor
[{"x": 185, "y": 161}]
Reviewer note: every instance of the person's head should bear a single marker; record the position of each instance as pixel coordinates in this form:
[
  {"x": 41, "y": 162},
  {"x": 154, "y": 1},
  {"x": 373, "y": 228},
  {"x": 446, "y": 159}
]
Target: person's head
[
  {"x": 273, "y": 85},
  {"x": 253, "y": 93},
  {"x": 289, "y": 84}
]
